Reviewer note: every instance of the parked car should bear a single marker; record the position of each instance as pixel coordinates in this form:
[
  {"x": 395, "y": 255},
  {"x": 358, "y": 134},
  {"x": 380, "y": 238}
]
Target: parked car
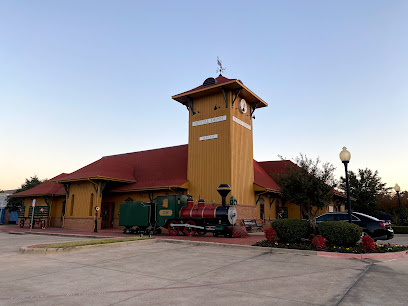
[{"x": 375, "y": 228}]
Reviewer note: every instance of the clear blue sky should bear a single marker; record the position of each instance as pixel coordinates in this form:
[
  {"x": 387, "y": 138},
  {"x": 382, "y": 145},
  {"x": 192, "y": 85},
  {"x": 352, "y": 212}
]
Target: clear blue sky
[{"x": 84, "y": 79}]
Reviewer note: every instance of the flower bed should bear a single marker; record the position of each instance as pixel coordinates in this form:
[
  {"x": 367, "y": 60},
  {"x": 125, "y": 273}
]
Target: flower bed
[
  {"x": 339, "y": 237},
  {"x": 358, "y": 249}
]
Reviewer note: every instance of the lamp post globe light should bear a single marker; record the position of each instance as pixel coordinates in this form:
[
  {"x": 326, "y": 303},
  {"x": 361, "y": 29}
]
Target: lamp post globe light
[
  {"x": 397, "y": 188},
  {"x": 345, "y": 158}
]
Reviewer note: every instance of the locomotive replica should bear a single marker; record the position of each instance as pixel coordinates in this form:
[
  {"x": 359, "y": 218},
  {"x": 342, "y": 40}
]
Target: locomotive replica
[{"x": 178, "y": 214}]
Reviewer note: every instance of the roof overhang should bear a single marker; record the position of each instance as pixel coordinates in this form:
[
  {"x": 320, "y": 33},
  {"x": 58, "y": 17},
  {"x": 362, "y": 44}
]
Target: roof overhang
[
  {"x": 38, "y": 195},
  {"x": 94, "y": 178},
  {"x": 151, "y": 188},
  {"x": 246, "y": 93},
  {"x": 258, "y": 188}
]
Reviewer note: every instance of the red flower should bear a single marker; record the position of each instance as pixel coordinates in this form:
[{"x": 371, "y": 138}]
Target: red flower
[
  {"x": 368, "y": 243},
  {"x": 319, "y": 242},
  {"x": 271, "y": 235}
]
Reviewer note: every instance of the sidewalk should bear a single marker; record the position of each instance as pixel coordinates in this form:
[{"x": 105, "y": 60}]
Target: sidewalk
[{"x": 254, "y": 237}]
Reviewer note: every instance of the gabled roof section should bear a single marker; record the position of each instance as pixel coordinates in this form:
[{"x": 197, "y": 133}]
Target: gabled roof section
[
  {"x": 261, "y": 178},
  {"x": 341, "y": 194},
  {"x": 156, "y": 169},
  {"x": 145, "y": 169},
  {"x": 48, "y": 188},
  {"x": 113, "y": 168},
  {"x": 277, "y": 167},
  {"x": 221, "y": 81}
]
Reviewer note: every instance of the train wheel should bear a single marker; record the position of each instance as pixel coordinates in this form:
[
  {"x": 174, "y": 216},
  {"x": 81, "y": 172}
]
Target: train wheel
[
  {"x": 22, "y": 223},
  {"x": 173, "y": 231},
  {"x": 228, "y": 234},
  {"x": 201, "y": 232},
  {"x": 190, "y": 231}
]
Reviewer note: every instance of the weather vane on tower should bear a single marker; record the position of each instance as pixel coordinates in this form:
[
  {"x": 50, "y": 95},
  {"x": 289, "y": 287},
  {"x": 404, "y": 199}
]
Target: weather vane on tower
[{"x": 220, "y": 69}]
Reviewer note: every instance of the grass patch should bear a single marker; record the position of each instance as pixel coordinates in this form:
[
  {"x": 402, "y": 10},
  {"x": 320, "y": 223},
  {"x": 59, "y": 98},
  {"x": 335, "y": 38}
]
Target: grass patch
[{"x": 88, "y": 242}]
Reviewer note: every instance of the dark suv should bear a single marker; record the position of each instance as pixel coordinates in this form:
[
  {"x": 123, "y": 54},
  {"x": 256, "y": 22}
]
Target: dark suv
[{"x": 377, "y": 229}]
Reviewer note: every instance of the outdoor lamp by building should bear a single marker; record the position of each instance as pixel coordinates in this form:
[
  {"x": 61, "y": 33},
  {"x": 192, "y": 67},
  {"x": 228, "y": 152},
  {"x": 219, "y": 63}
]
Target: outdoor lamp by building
[
  {"x": 397, "y": 188},
  {"x": 345, "y": 158}
]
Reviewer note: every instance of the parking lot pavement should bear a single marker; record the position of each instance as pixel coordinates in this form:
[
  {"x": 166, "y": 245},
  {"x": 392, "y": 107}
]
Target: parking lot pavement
[
  {"x": 179, "y": 274},
  {"x": 398, "y": 239},
  {"x": 11, "y": 243}
]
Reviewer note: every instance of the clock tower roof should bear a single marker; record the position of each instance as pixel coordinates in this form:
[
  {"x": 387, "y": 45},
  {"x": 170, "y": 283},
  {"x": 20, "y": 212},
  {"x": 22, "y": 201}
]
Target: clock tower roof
[{"x": 214, "y": 85}]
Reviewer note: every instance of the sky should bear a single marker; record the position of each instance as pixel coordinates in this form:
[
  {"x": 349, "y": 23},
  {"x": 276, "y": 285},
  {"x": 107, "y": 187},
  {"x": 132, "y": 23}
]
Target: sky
[{"x": 84, "y": 79}]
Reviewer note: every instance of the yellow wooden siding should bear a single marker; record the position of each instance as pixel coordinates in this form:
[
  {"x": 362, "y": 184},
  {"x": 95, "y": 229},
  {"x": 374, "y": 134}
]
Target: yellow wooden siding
[
  {"x": 227, "y": 159},
  {"x": 91, "y": 204},
  {"x": 82, "y": 192},
  {"x": 267, "y": 208},
  {"x": 242, "y": 163},
  {"x": 209, "y": 161},
  {"x": 293, "y": 211},
  {"x": 270, "y": 208},
  {"x": 56, "y": 206}
]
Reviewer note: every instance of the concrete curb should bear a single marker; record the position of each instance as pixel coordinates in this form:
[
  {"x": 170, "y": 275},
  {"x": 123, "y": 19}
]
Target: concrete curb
[
  {"x": 248, "y": 247},
  {"x": 62, "y": 235},
  {"x": 390, "y": 255},
  {"x": 45, "y": 251}
]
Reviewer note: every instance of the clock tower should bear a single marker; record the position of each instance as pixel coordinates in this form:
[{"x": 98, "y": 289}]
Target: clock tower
[{"x": 220, "y": 142}]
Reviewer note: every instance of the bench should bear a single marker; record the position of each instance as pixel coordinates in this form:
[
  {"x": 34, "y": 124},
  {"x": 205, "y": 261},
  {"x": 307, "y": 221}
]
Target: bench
[
  {"x": 251, "y": 224},
  {"x": 41, "y": 214}
]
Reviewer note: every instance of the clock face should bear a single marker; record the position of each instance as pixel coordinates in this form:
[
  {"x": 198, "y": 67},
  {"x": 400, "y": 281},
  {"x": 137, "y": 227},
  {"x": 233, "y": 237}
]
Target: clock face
[{"x": 243, "y": 106}]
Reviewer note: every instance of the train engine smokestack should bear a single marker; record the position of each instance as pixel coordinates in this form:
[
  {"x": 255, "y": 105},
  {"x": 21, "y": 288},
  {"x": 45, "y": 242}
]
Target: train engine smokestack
[{"x": 224, "y": 190}]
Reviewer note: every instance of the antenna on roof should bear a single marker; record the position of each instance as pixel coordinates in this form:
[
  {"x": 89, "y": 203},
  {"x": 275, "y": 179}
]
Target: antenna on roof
[{"x": 220, "y": 69}]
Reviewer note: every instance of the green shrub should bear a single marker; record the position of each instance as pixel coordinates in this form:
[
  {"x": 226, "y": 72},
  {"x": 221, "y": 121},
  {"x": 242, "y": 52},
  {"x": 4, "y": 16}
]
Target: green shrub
[
  {"x": 291, "y": 230},
  {"x": 400, "y": 229},
  {"x": 340, "y": 233}
]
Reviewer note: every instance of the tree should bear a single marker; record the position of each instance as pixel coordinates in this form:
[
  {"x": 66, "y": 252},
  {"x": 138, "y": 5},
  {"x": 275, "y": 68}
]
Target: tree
[
  {"x": 389, "y": 206},
  {"x": 13, "y": 204},
  {"x": 308, "y": 185},
  {"x": 365, "y": 187}
]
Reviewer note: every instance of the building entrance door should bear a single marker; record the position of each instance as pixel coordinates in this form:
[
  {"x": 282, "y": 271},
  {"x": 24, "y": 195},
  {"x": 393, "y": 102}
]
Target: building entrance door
[{"x": 107, "y": 210}]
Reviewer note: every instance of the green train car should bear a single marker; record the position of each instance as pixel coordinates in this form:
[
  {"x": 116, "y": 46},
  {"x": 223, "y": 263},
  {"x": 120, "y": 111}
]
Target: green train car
[{"x": 178, "y": 214}]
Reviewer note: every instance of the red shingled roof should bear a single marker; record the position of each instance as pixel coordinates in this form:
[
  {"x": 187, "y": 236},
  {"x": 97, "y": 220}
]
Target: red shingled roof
[
  {"x": 166, "y": 167},
  {"x": 262, "y": 179},
  {"x": 48, "y": 188},
  {"x": 115, "y": 168},
  {"x": 220, "y": 80},
  {"x": 152, "y": 169},
  {"x": 276, "y": 166}
]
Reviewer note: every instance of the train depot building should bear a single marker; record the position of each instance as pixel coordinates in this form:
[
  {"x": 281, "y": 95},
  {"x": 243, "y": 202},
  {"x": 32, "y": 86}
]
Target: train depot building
[{"x": 219, "y": 151}]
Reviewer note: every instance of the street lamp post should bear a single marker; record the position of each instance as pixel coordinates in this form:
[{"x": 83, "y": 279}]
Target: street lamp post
[
  {"x": 398, "y": 189},
  {"x": 345, "y": 158}
]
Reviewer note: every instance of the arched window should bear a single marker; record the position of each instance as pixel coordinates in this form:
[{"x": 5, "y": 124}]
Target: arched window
[
  {"x": 91, "y": 201},
  {"x": 72, "y": 204},
  {"x": 262, "y": 209}
]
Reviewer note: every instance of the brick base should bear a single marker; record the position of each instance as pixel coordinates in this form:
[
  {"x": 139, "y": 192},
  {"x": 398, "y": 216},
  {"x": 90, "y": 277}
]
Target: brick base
[
  {"x": 81, "y": 223},
  {"x": 116, "y": 223},
  {"x": 245, "y": 212},
  {"x": 56, "y": 222}
]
